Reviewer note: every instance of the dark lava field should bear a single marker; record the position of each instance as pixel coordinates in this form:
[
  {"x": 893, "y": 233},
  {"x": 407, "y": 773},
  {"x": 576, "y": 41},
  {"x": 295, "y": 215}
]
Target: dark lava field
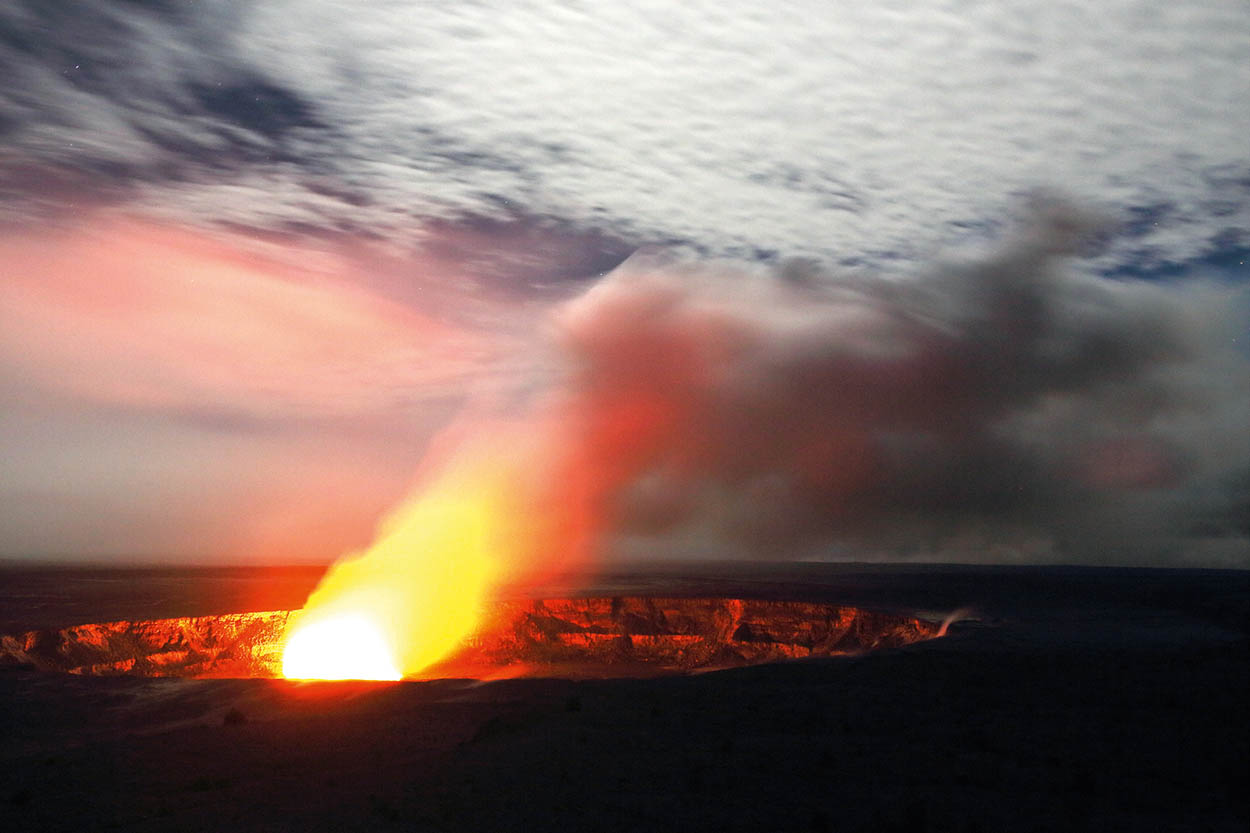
[{"x": 1064, "y": 698}]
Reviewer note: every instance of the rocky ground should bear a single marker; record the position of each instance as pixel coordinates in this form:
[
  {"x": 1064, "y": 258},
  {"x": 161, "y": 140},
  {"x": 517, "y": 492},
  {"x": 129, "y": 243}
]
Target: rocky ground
[
  {"x": 1077, "y": 700},
  {"x": 616, "y": 636}
]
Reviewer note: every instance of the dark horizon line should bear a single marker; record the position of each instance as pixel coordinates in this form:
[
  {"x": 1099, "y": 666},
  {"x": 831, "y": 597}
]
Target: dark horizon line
[{"x": 67, "y": 563}]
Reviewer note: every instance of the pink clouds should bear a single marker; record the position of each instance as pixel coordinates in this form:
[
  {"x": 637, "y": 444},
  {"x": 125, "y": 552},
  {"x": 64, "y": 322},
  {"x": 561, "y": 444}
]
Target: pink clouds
[
  {"x": 173, "y": 395},
  {"x": 137, "y": 316}
]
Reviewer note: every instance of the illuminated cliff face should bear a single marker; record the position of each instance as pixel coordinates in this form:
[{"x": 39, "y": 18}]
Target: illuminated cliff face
[
  {"x": 228, "y": 645},
  {"x": 630, "y": 635},
  {"x": 583, "y": 637}
]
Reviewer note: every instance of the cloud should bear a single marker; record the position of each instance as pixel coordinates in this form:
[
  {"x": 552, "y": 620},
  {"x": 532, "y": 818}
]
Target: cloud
[
  {"x": 170, "y": 395},
  {"x": 832, "y": 135},
  {"x": 142, "y": 317},
  {"x": 865, "y": 136},
  {"x": 413, "y": 186},
  {"x": 175, "y": 394},
  {"x": 105, "y": 97},
  {"x": 1003, "y": 408},
  {"x": 124, "y": 486},
  {"x": 1006, "y": 409}
]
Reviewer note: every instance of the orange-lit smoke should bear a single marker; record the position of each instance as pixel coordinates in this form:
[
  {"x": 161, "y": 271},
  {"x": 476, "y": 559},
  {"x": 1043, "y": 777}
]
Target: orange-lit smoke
[
  {"x": 494, "y": 510},
  {"x": 723, "y": 414},
  {"x": 499, "y": 503}
]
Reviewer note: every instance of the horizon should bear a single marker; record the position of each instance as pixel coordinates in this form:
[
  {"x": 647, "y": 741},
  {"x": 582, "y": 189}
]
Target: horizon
[{"x": 642, "y": 566}]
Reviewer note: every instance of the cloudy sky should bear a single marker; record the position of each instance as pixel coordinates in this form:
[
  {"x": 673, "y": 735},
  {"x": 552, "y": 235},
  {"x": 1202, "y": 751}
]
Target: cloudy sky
[{"x": 960, "y": 280}]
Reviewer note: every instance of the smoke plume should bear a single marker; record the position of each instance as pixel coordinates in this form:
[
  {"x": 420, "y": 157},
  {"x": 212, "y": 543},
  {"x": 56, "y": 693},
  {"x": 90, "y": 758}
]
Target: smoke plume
[
  {"x": 1008, "y": 409},
  {"x": 1001, "y": 410}
]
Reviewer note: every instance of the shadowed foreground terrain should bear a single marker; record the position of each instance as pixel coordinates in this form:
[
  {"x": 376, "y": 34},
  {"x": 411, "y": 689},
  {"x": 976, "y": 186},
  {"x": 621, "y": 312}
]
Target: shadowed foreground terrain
[{"x": 1074, "y": 699}]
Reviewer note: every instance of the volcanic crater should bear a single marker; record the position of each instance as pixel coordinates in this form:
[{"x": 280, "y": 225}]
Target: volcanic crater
[{"x": 577, "y": 637}]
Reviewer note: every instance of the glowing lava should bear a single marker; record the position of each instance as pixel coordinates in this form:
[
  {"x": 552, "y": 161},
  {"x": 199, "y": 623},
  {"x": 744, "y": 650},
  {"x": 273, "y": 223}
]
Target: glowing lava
[
  {"x": 417, "y": 593},
  {"x": 339, "y": 648}
]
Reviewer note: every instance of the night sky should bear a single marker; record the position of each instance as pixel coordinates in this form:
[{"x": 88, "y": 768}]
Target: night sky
[{"x": 923, "y": 280}]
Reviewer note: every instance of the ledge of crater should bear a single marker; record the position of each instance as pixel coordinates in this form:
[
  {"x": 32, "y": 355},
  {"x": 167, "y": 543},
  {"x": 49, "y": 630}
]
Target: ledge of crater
[{"x": 610, "y": 634}]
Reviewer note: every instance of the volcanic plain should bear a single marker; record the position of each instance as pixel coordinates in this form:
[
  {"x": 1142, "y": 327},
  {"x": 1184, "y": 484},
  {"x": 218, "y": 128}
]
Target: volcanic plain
[{"x": 1059, "y": 698}]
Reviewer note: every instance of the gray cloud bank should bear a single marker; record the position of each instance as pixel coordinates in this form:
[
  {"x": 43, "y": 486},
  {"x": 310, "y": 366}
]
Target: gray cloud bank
[
  {"x": 1010, "y": 409},
  {"x": 860, "y": 134}
]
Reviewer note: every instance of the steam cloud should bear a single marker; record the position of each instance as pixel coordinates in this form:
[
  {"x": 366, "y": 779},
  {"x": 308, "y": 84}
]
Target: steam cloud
[{"x": 1003, "y": 410}]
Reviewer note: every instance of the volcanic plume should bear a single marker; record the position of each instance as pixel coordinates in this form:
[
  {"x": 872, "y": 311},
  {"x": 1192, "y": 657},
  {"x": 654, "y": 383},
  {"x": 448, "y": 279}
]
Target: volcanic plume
[
  {"x": 1001, "y": 408},
  {"x": 1008, "y": 408}
]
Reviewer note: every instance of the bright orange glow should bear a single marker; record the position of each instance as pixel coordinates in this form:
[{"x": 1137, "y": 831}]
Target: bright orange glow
[
  {"x": 421, "y": 586},
  {"x": 339, "y": 648}
]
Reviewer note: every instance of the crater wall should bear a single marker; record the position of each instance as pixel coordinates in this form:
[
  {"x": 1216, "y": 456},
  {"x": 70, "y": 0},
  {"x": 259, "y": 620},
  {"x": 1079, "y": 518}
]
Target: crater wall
[{"x": 605, "y": 635}]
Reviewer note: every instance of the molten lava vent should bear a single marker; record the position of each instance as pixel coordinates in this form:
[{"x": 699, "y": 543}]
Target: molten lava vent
[{"x": 580, "y": 637}]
